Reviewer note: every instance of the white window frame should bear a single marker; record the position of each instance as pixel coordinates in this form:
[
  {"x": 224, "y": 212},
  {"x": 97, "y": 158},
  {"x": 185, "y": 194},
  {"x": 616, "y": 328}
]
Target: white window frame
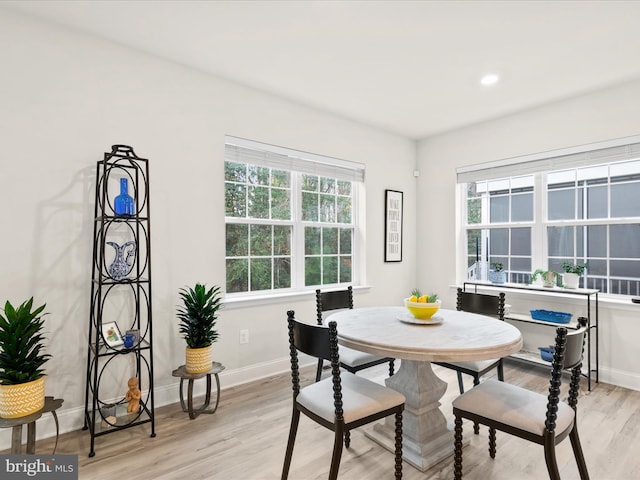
[
  {"x": 624, "y": 149},
  {"x": 299, "y": 163}
]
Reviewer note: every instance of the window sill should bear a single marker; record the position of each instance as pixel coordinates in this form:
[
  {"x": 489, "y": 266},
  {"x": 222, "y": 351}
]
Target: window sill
[{"x": 234, "y": 302}]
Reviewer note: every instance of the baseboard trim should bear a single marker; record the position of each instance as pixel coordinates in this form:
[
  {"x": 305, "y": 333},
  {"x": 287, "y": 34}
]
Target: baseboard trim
[{"x": 72, "y": 419}]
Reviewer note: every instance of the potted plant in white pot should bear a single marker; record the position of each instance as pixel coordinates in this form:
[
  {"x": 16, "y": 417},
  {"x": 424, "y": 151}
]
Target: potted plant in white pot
[
  {"x": 21, "y": 360},
  {"x": 572, "y": 273},
  {"x": 549, "y": 277},
  {"x": 497, "y": 273},
  {"x": 198, "y": 316}
]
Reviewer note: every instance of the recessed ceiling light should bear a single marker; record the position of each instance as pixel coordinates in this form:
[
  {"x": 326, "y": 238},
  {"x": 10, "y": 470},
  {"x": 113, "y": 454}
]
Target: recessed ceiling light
[{"x": 489, "y": 79}]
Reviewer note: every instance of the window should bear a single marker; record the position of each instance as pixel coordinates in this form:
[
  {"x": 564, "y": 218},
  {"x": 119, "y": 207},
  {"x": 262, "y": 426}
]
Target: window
[
  {"x": 290, "y": 218},
  {"x": 577, "y": 207}
]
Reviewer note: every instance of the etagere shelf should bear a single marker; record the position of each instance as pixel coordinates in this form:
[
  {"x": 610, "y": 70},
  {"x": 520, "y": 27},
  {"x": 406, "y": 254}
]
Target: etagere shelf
[
  {"x": 591, "y": 298},
  {"x": 120, "y": 295}
]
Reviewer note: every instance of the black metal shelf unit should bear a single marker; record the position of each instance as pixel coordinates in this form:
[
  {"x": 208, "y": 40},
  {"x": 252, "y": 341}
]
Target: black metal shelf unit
[
  {"x": 591, "y": 297},
  {"x": 120, "y": 293}
]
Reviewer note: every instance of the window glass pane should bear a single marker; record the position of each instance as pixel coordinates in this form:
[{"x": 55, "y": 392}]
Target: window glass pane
[
  {"x": 499, "y": 241},
  {"x": 280, "y": 204},
  {"x": 312, "y": 237},
  {"x": 329, "y": 241},
  {"x": 499, "y": 209},
  {"x": 597, "y": 202},
  {"x": 329, "y": 270},
  {"x": 344, "y": 210},
  {"x": 596, "y": 241},
  {"x": 260, "y": 274},
  {"x": 625, "y": 269},
  {"x": 327, "y": 208},
  {"x": 474, "y": 246},
  {"x": 235, "y": 200},
  {"x": 281, "y": 178},
  {"x": 260, "y": 240},
  {"x": 258, "y": 175},
  {"x": 520, "y": 264},
  {"x": 560, "y": 241},
  {"x": 345, "y": 269},
  {"x": 521, "y": 241},
  {"x": 309, "y": 207},
  {"x": 235, "y": 172},
  {"x": 621, "y": 203},
  {"x": 281, "y": 273},
  {"x": 237, "y": 240},
  {"x": 310, "y": 183},
  {"x": 625, "y": 241},
  {"x": 312, "y": 271},
  {"x": 327, "y": 185},
  {"x": 597, "y": 267},
  {"x": 561, "y": 204},
  {"x": 344, "y": 187},
  {"x": 580, "y": 238},
  {"x": 522, "y": 208},
  {"x": 474, "y": 210},
  {"x": 237, "y": 275},
  {"x": 281, "y": 240},
  {"x": 258, "y": 202},
  {"x": 345, "y": 240}
]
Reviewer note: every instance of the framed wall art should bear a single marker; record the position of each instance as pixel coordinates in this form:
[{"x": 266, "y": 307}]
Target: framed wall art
[
  {"x": 111, "y": 334},
  {"x": 393, "y": 226}
]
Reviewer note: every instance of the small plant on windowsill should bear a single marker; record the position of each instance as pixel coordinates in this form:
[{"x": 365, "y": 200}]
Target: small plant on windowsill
[
  {"x": 497, "y": 273},
  {"x": 549, "y": 277},
  {"x": 572, "y": 273}
]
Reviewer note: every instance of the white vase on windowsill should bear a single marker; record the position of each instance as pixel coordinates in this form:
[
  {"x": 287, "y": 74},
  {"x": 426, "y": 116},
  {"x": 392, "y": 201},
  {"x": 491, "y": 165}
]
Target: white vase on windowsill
[{"x": 571, "y": 280}]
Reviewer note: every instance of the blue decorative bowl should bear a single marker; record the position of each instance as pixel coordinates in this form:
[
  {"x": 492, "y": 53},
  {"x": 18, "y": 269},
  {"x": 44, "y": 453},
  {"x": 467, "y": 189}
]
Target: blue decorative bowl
[{"x": 546, "y": 353}]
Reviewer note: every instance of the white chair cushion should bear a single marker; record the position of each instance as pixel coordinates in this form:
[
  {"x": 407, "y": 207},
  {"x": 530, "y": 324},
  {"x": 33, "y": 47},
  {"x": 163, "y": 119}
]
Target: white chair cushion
[
  {"x": 355, "y": 358},
  {"x": 513, "y": 405},
  {"x": 360, "y": 398},
  {"x": 476, "y": 366}
]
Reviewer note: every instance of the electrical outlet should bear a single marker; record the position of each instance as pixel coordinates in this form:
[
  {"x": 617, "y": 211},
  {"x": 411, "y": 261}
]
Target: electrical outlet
[{"x": 244, "y": 336}]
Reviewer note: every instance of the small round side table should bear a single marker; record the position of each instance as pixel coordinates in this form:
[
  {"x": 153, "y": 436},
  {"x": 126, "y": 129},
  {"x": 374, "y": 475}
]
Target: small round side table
[
  {"x": 50, "y": 405},
  {"x": 184, "y": 375}
]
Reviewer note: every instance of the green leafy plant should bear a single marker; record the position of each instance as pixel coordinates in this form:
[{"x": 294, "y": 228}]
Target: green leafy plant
[
  {"x": 21, "y": 344},
  {"x": 198, "y": 315},
  {"x": 569, "y": 267},
  {"x": 548, "y": 276},
  {"x": 497, "y": 267}
]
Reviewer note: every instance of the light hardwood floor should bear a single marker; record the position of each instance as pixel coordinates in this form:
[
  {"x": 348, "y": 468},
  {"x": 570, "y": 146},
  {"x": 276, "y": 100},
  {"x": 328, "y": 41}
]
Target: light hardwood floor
[{"x": 246, "y": 438}]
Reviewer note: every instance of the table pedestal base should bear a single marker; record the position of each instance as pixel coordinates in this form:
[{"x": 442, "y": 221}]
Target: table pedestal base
[{"x": 427, "y": 439}]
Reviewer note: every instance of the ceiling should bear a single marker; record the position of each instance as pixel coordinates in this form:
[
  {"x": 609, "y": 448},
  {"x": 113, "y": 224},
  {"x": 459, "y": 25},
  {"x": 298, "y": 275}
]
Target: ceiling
[{"x": 408, "y": 67}]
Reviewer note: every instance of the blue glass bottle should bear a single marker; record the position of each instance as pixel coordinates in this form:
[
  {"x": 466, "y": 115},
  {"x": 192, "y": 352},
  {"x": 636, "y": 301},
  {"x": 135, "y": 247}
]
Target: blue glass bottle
[{"x": 123, "y": 203}]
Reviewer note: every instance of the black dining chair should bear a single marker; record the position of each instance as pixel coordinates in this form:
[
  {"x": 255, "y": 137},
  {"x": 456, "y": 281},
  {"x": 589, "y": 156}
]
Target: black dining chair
[
  {"x": 492, "y": 305},
  {"x": 351, "y": 360},
  {"x": 341, "y": 402},
  {"x": 542, "y": 419}
]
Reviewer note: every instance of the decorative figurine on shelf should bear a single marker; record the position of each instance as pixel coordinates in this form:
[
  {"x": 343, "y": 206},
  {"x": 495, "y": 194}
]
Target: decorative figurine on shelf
[
  {"x": 123, "y": 203},
  {"x": 121, "y": 267},
  {"x": 133, "y": 396}
]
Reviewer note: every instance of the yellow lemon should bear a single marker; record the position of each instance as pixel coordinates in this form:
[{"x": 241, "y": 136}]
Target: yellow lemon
[
  {"x": 413, "y": 298},
  {"x": 423, "y": 299}
]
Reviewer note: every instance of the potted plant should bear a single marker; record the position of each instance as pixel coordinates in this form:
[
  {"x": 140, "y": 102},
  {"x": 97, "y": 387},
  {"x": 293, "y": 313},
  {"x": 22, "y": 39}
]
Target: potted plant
[
  {"x": 21, "y": 360},
  {"x": 572, "y": 273},
  {"x": 549, "y": 277},
  {"x": 497, "y": 273},
  {"x": 198, "y": 316}
]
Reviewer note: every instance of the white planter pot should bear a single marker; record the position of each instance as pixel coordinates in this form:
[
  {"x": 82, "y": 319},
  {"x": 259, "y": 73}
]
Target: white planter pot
[{"x": 571, "y": 280}]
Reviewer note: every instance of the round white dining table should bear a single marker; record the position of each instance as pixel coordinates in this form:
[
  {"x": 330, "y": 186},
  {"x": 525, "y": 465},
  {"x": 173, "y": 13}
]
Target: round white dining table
[{"x": 453, "y": 336}]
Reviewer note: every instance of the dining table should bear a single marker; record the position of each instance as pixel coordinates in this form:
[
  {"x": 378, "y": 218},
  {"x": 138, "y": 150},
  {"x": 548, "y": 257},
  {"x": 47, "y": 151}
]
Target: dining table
[{"x": 449, "y": 336}]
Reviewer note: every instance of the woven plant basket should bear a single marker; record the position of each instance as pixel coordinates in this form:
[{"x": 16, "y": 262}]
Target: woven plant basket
[
  {"x": 22, "y": 399},
  {"x": 198, "y": 360}
]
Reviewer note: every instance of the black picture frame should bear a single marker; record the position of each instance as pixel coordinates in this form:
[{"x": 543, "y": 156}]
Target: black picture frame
[{"x": 393, "y": 216}]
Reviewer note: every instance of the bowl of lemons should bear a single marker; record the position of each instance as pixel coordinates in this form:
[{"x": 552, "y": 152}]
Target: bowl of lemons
[{"x": 421, "y": 306}]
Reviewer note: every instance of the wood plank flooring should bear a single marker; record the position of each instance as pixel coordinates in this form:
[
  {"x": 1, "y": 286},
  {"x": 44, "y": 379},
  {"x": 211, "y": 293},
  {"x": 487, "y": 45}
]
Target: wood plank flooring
[{"x": 246, "y": 439}]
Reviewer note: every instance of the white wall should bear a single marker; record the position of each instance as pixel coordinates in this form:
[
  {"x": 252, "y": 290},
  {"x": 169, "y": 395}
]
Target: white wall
[
  {"x": 602, "y": 115},
  {"x": 66, "y": 98}
]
